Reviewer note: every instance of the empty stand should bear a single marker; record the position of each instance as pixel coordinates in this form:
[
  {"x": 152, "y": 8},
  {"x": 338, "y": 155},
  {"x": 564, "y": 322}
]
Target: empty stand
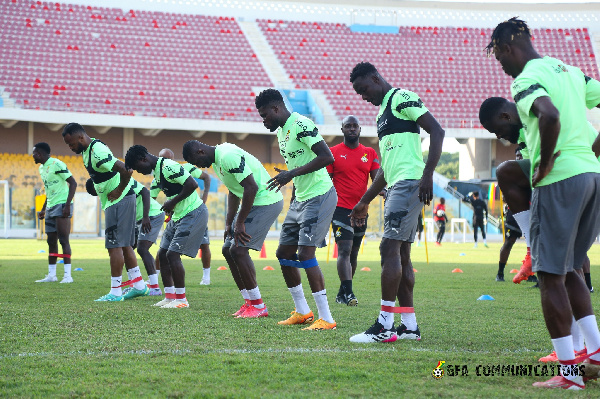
[
  {"x": 446, "y": 66},
  {"x": 66, "y": 57}
]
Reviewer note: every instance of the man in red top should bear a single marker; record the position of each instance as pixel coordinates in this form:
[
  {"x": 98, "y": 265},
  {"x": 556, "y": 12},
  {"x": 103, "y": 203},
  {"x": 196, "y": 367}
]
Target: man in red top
[
  {"x": 350, "y": 174},
  {"x": 440, "y": 218}
]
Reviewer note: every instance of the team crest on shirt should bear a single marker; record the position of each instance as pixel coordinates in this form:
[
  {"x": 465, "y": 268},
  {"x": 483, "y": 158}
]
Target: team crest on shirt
[
  {"x": 365, "y": 158},
  {"x": 338, "y": 233},
  {"x": 287, "y": 136}
]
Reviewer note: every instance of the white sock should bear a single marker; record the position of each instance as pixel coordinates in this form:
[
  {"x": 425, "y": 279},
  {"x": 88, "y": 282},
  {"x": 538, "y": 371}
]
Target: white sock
[
  {"x": 128, "y": 274},
  {"x": 135, "y": 273},
  {"x": 484, "y": 241},
  {"x": 254, "y": 294},
  {"x": 158, "y": 272},
  {"x": 52, "y": 270},
  {"x": 323, "y": 306},
  {"x": 206, "y": 274},
  {"x": 179, "y": 292},
  {"x": 577, "y": 336},
  {"x": 153, "y": 279},
  {"x": 386, "y": 318},
  {"x": 245, "y": 295},
  {"x": 523, "y": 220},
  {"x": 409, "y": 320},
  {"x": 589, "y": 330},
  {"x": 299, "y": 299},
  {"x": 115, "y": 282},
  {"x": 67, "y": 270},
  {"x": 564, "y": 352}
]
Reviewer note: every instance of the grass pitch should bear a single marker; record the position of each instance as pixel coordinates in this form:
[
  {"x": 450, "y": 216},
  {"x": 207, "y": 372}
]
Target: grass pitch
[{"x": 56, "y": 341}]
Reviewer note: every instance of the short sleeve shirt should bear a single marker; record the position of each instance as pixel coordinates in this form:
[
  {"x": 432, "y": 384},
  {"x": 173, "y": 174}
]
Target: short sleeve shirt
[
  {"x": 401, "y": 154},
  {"x": 233, "y": 164},
  {"x": 571, "y": 93},
  {"x": 139, "y": 205},
  {"x": 54, "y": 174},
  {"x": 438, "y": 207},
  {"x": 173, "y": 172},
  {"x": 296, "y": 139},
  {"x": 103, "y": 160},
  {"x": 350, "y": 170},
  {"x": 154, "y": 189}
]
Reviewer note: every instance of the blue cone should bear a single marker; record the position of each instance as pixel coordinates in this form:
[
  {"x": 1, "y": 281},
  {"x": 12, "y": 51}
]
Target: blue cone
[
  {"x": 41, "y": 251},
  {"x": 462, "y": 254},
  {"x": 485, "y": 298},
  {"x": 79, "y": 269},
  {"x": 61, "y": 261}
]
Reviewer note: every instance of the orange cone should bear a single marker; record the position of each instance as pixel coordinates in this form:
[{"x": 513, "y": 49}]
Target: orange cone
[
  {"x": 199, "y": 253},
  {"x": 514, "y": 271},
  {"x": 365, "y": 269},
  {"x": 268, "y": 268},
  {"x": 263, "y": 252},
  {"x": 457, "y": 270},
  {"x": 221, "y": 268},
  {"x": 335, "y": 251},
  {"x": 415, "y": 270}
]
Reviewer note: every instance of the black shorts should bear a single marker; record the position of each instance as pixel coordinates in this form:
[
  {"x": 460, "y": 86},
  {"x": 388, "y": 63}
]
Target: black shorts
[{"x": 342, "y": 229}]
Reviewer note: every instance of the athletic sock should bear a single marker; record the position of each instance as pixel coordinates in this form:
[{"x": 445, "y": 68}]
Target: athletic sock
[
  {"x": 170, "y": 293},
  {"x": 341, "y": 290},
  {"x": 299, "y": 299},
  {"x": 115, "y": 288},
  {"x": 153, "y": 281},
  {"x": 409, "y": 320},
  {"x": 523, "y": 220},
  {"x": 67, "y": 270},
  {"x": 564, "y": 352},
  {"x": 589, "y": 330},
  {"x": 206, "y": 274},
  {"x": 347, "y": 287},
  {"x": 135, "y": 273},
  {"x": 52, "y": 270},
  {"x": 577, "y": 336},
  {"x": 180, "y": 294},
  {"x": 588, "y": 280},
  {"x": 245, "y": 295},
  {"x": 254, "y": 295},
  {"x": 501, "y": 267},
  {"x": 323, "y": 306},
  {"x": 386, "y": 318}
]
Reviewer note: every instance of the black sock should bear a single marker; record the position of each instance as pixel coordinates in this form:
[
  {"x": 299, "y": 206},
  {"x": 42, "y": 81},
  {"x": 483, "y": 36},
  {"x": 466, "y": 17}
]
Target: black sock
[
  {"x": 341, "y": 290},
  {"x": 347, "y": 286},
  {"x": 501, "y": 267},
  {"x": 588, "y": 280}
]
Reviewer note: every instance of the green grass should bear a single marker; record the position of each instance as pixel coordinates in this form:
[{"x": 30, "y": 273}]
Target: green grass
[{"x": 56, "y": 341}]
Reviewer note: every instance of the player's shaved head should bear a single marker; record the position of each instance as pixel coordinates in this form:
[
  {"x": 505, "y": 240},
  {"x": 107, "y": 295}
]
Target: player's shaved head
[
  {"x": 166, "y": 153},
  {"x": 500, "y": 117},
  {"x": 199, "y": 154},
  {"x": 350, "y": 119}
]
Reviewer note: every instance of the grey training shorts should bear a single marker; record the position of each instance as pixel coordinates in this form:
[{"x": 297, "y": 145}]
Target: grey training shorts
[
  {"x": 565, "y": 221},
  {"x": 257, "y": 224},
  {"x": 401, "y": 211},
  {"x": 119, "y": 219},
  {"x": 184, "y": 236},
  {"x": 156, "y": 223},
  {"x": 307, "y": 223},
  {"x": 205, "y": 239},
  {"x": 52, "y": 214}
]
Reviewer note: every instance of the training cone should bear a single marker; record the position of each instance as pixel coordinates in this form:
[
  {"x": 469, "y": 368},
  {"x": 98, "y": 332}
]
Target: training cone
[
  {"x": 415, "y": 270},
  {"x": 365, "y": 269},
  {"x": 268, "y": 268},
  {"x": 335, "y": 251},
  {"x": 199, "y": 253},
  {"x": 221, "y": 268},
  {"x": 457, "y": 270},
  {"x": 263, "y": 252},
  {"x": 79, "y": 269},
  {"x": 513, "y": 271},
  {"x": 60, "y": 261},
  {"x": 462, "y": 254},
  {"x": 485, "y": 298},
  {"x": 41, "y": 251}
]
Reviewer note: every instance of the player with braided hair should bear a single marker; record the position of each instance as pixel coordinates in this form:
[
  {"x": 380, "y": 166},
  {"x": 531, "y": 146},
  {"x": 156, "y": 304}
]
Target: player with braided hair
[{"x": 551, "y": 99}]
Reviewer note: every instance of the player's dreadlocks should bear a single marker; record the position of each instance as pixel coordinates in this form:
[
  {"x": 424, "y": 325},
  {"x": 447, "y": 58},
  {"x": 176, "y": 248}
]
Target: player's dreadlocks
[
  {"x": 134, "y": 154},
  {"x": 507, "y": 32},
  {"x": 362, "y": 69}
]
